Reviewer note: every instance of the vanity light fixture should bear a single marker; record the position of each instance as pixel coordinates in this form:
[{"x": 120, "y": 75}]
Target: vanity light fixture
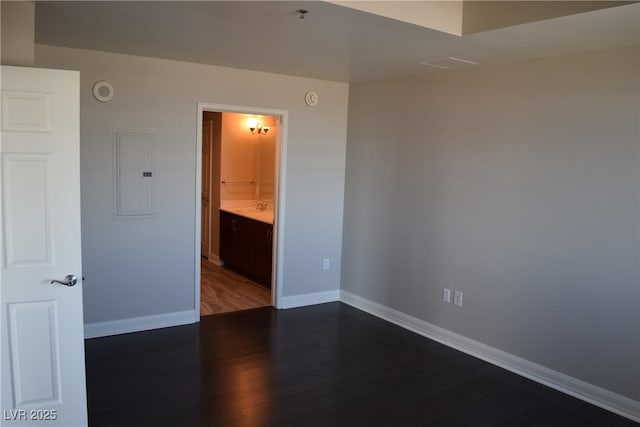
[{"x": 256, "y": 127}]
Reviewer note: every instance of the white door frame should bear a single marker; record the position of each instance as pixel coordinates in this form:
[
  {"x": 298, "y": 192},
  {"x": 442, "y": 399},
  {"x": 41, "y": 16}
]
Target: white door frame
[{"x": 279, "y": 196}]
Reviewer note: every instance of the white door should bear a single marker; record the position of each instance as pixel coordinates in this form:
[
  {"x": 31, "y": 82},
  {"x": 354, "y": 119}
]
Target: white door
[{"x": 42, "y": 358}]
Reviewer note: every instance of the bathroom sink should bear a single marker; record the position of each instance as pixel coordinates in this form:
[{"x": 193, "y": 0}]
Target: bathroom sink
[{"x": 252, "y": 213}]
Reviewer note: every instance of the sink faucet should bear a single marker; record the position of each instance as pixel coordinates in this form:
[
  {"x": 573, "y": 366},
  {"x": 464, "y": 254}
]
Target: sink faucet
[{"x": 261, "y": 205}]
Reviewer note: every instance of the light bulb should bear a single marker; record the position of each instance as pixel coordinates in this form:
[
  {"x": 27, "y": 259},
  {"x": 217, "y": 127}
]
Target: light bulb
[{"x": 252, "y": 122}]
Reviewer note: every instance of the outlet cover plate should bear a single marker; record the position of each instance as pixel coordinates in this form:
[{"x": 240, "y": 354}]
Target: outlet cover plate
[{"x": 457, "y": 298}]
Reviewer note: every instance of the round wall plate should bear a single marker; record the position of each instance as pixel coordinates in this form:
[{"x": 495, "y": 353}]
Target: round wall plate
[
  {"x": 103, "y": 91},
  {"x": 311, "y": 98}
]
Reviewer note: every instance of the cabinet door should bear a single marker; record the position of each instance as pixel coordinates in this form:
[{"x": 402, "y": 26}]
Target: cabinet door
[
  {"x": 230, "y": 241},
  {"x": 245, "y": 248},
  {"x": 264, "y": 245}
]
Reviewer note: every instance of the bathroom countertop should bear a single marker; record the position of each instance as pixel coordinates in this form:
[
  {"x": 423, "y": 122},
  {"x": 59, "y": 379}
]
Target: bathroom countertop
[{"x": 251, "y": 213}]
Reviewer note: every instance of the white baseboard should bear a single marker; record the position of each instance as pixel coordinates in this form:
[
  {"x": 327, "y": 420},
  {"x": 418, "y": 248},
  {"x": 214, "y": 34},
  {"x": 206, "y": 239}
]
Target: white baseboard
[
  {"x": 595, "y": 395},
  {"x": 309, "y": 299},
  {"x": 137, "y": 324}
]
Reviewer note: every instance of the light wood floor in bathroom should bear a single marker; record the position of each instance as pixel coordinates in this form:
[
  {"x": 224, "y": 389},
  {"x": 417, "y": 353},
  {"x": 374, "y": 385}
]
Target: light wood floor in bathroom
[{"x": 223, "y": 290}]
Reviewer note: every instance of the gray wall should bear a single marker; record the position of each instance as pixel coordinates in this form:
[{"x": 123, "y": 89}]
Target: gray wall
[
  {"x": 17, "y": 35},
  {"x": 144, "y": 267},
  {"x": 518, "y": 185}
]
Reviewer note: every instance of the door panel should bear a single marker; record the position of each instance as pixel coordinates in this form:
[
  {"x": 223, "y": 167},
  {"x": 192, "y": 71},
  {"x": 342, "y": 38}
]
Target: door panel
[
  {"x": 25, "y": 184},
  {"x": 33, "y": 328},
  {"x": 41, "y": 324},
  {"x": 26, "y": 111}
]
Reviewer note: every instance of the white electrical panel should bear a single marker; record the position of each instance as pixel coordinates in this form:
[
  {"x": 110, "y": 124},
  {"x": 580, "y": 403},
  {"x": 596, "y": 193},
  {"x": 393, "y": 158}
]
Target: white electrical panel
[{"x": 134, "y": 189}]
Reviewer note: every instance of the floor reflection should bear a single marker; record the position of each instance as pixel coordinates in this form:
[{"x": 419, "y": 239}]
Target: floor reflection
[{"x": 236, "y": 364}]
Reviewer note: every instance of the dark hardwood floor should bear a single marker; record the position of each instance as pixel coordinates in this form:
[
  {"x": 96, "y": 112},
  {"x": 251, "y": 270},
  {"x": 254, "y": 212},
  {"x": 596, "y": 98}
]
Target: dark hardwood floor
[{"x": 325, "y": 365}]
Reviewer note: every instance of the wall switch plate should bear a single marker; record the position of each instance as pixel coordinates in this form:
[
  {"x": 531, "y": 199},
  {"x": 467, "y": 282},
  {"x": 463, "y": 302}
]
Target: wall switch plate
[
  {"x": 457, "y": 298},
  {"x": 446, "y": 295},
  {"x": 326, "y": 264}
]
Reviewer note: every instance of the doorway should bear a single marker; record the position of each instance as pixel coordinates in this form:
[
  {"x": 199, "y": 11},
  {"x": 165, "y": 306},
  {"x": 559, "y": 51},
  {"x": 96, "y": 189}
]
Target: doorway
[{"x": 239, "y": 178}]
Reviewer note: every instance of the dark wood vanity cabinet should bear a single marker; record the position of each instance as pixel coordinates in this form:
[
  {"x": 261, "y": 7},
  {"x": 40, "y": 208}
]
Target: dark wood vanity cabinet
[
  {"x": 234, "y": 233},
  {"x": 264, "y": 251},
  {"x": 246, "y": 246}
]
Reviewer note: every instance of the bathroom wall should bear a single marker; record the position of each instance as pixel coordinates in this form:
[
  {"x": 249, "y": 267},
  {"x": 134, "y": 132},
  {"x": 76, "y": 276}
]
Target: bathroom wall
[
  {"x": 267, "y": 160},
  {"x": 247, "y": 157}
]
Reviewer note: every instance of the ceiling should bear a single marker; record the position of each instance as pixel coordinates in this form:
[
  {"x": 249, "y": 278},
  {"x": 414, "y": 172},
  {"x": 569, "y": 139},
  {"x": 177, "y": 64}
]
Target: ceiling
[{"x": 331, "y": 43}]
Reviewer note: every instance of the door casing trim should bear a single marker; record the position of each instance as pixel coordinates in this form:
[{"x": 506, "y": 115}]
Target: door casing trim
[{"x": 282, "y": 116}]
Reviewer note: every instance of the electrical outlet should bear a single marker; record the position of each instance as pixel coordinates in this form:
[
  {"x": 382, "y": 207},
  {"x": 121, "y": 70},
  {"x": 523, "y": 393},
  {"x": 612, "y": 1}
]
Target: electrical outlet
[
  {"x": 326, "y": 264},
  {"x": 457, "y": 298},
  {"x": 446, "y": 295}
]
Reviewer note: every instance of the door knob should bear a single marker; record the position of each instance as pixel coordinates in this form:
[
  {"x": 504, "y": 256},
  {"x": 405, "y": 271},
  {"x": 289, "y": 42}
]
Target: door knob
[{"x": 69, "y": 280}]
